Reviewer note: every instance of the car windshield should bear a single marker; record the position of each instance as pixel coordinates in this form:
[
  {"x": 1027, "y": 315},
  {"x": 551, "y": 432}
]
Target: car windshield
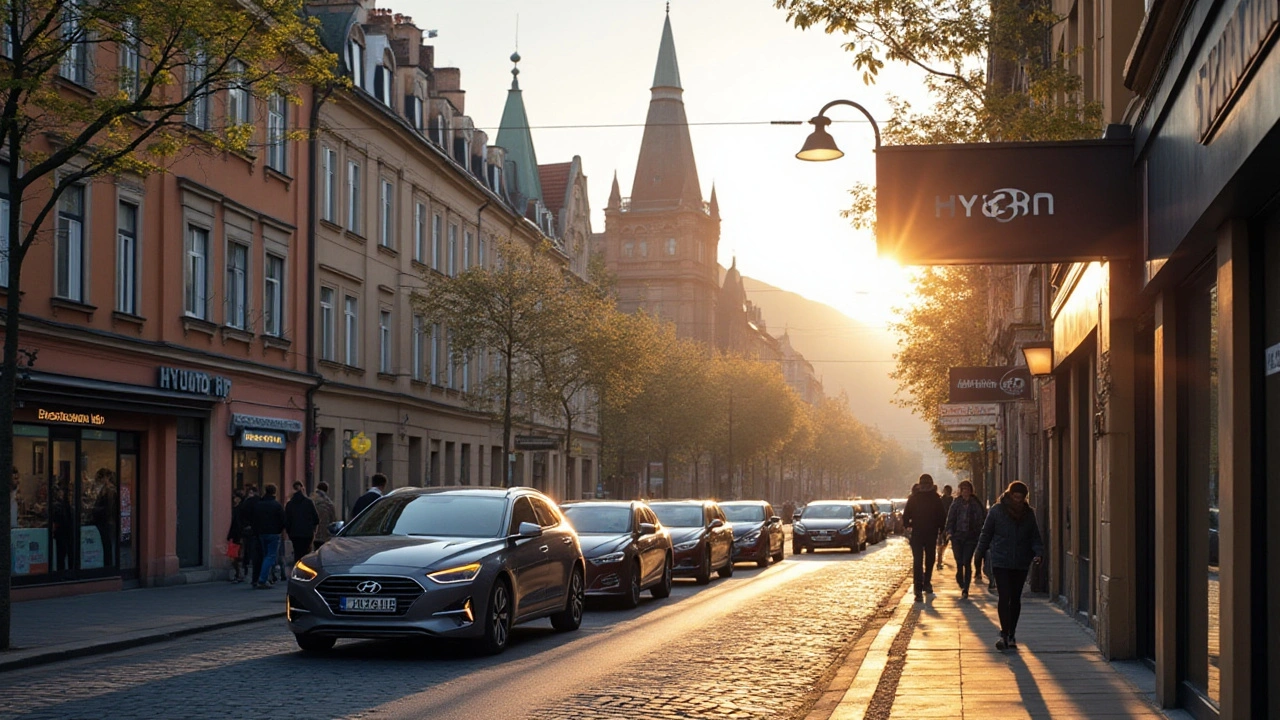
[
  {"x": 862, "y": 508},
  {"x": 679, "y": 515},
  {"x": 828, "y": 512},
  {"x": 744, "y": 513},
  {"x": 433, "y": 515},
  {"x": 599, "y": 519},
  {"x": 885, "y": 507}
]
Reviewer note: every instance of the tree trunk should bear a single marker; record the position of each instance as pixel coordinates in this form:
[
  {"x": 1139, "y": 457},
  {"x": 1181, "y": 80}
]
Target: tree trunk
[
  {"x": 508, "y": 390},
  {"x": 666, "y": 474},
  {"x": 8, "y": 394},
  {"x": 568, "y": 451}
]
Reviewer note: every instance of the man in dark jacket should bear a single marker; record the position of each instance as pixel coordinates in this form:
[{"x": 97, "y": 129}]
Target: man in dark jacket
[
  {"x": 924, "y": 519},
  {"x": 300, "y": 521},
  {"x": 1011, "y": 542},
  {"x": 249, "y": 541},
  {"x": 378, "y": 488},
  {"x": 268, "y": 526}
]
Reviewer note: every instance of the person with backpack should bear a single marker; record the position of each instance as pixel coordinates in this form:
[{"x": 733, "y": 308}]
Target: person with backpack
[{"x": 1010, "y": 542}]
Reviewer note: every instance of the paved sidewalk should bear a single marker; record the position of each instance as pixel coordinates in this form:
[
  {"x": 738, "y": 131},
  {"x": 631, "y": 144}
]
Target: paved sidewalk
[
  {"x": 937, "y": 659},
  {"x": 61, "y": 628}
]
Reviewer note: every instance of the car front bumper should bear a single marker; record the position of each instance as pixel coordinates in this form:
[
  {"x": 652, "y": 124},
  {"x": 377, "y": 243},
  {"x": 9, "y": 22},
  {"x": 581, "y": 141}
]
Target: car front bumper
[{"x": 452, "y": 611}]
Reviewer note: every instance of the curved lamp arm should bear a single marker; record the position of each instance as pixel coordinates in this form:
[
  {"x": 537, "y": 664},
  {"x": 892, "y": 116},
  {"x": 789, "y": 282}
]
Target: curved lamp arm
[{"x": 852, "y": 104}]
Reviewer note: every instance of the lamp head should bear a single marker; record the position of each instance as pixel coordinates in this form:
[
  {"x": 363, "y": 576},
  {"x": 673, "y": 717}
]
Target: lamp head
[
  {"x": 1039, "y": 357},
  {"x": 819, "y": 146}
]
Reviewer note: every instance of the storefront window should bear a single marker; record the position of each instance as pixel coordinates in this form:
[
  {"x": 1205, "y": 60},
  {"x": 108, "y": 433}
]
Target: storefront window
[{"x": 29, "y": 501}]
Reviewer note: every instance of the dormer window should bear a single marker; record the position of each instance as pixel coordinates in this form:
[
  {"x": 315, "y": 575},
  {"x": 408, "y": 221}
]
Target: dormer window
[
  {"x": 382, "y": 84},
  {"x": 495, "y": 178},
  {"x": 414, "y": 112},
  {"x": 355, "y": 61},
  {"x": 442, "y": 130}
]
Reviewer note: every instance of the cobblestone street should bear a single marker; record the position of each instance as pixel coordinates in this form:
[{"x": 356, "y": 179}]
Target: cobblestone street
[{"x": 758, "y": 645}]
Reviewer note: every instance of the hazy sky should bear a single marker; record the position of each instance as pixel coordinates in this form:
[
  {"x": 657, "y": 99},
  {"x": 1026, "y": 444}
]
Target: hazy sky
[{"x": 589, "y": 63}]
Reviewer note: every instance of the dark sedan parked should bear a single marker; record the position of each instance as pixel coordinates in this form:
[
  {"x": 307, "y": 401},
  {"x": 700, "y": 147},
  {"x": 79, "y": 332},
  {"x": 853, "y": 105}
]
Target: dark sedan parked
[
  {"x": 627, "y": 549},
  {"x": 440, "y": 562},
  {"x": 829, "y": 523},
  {"x": 757, "y": 531},
  {"x": 701, "y": 537},
  {"x": 877, "y": 529},
  {"x": 892, "y": 516}
]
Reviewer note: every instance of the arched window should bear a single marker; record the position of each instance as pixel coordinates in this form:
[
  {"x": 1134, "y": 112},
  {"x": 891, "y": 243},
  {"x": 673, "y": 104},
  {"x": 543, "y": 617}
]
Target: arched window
[
  {"x": 671, "y": 246},
  {"x": 644, "y": 248},
  {"x": 355, "y": 61},
  {"x": 628, "y": 249},
  {"x": 382, "y": 84}
]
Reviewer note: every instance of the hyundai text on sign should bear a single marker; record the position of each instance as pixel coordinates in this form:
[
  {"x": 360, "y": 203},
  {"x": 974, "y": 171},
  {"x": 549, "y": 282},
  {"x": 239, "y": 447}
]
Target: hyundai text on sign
[{"x": 1007, "y": 202}]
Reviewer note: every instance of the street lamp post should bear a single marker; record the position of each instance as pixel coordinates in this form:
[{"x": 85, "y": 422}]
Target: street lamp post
[{"x": 820, "y": 146}]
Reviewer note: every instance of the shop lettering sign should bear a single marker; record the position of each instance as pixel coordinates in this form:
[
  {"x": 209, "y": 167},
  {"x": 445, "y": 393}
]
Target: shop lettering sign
[
  {"x": 1273, "y": 359},
  {"x": 240, "y": 420},
  {"x": 1001, "y": 205},
  {"x": 1231, "y": 60},
  {"x": 263, "y": 439},
  {"x": 989, "y": 384},
  {"x": 71, "y": 418},
  {"x": 194, "y": 382}
]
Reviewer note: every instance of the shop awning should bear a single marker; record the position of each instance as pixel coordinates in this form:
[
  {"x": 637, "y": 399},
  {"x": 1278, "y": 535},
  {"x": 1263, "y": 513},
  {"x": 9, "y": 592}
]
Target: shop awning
[{"x": 37, "y": 386}]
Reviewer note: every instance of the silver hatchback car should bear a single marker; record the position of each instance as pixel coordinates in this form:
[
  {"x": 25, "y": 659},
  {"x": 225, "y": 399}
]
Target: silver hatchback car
[{"x": 441, "y": 562}]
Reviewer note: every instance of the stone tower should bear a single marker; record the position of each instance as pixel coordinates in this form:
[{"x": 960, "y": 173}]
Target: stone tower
[{"x": 661, "y": 243}]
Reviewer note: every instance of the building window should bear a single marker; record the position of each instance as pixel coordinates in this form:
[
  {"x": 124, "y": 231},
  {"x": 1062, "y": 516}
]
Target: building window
[
  {"x": 329, "y": 183},
  {"x": 197, "y": 269},
  {"x": 75, "y": 63},
  {"x": 419, "y": 231},
  {"x": 628, "y": 249},
  {"x": 353, "y": 196},
  {"x": 198, "y": 109},
  {"x": 437, "y": 223},
  {"x": 328, "y": 328},
  {"x": 448, "y": 353},
  {"x": 127, "y": 258},
  {"x": 414, "y": 111},
  {"x": 130, "y": 58},
  {"x": 237, "y": 288},
  {"x": 480, "y": 252},
  {"x": 671, "y": 246},
  {"x": 418, "y": 348},
  {"x": 384, "y": 341},
  {"x": 4, "y": 225},
  {"x": 466, "y": 373},
  {"x": 237, "y": 94},
  {"x": 385, "y": 196},
  {"x": 273, "y": 295},
  {"x": 644, "y": 248},
  {"x": 69, "y": 254},
  {"x": 453, "y": 250},
  {"x": 351, "y": 331},
  {"x": 442, "y": 130},
  {"x": 355, "y": 61},
  {"x": 382, "y": 84},
  {"x": 277, "y": 115},
  {"x": 466, "y": 250},
  {"x": 435, "y": 354}
]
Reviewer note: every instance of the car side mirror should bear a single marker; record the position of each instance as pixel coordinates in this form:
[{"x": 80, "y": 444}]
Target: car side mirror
[
  {"x": 648, "y": 528},
  {"x": 529, "y": 530},
  {"x": 716, "y": 523},
  {"x": 336, "y": 527},
  {"x": 775, "y": 520}
]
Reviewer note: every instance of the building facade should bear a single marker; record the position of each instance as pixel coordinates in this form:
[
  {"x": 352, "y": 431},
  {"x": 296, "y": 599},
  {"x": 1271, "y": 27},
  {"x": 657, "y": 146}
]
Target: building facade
[{"x": 166, "y": 322}]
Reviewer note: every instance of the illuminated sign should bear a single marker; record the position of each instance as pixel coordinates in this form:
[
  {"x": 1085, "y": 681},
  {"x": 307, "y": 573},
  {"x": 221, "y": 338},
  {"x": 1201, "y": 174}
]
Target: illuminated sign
[
  {"x": 194, "y": 382},
  {"x": 1230, "y": 61},
  {"x": 264, "y": 439},
  {"x": 71, "y": 418},
  {"x": 988, "y": 385}
]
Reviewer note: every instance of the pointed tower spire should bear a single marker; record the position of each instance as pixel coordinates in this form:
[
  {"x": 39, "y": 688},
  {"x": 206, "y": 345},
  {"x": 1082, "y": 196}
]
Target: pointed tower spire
[
  {"x": 666, "y": 173},
  {"x": 615, "y": 194},
  {"x": 521, "y": 171},
  {"x": 715, "y": 205}
]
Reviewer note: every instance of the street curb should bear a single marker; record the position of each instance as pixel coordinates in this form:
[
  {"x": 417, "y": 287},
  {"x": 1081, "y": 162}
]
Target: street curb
[
  {"x": 16, "y": 659},
  {"x": 860, "y": 697}
]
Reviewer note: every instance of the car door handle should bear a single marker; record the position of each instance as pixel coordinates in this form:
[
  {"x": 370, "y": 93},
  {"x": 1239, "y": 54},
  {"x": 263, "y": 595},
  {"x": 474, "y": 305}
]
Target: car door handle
[{"x": 544, "y": 548}]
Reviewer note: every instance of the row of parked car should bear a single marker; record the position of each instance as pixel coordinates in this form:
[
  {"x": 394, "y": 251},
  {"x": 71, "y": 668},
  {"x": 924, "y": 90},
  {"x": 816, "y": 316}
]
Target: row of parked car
[
  {"x": 473, "y": 562},
  {"x": 844, "y": 524}
]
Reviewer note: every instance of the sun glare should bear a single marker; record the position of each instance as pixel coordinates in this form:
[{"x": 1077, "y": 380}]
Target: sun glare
[{"x": 876, "y": 289}]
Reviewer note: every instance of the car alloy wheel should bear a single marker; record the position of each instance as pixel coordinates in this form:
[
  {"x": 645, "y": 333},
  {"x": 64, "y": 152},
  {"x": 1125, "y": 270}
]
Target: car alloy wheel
[
  {"x": 663, "y": 589},
  {"x": 497, "y": 619},
  {"x": 704, "y": 570},
  {"x": 632, "y": 598},
  {"x": 764, "y": 553},
  {"x": 727, "y": 570},
  {"x": 571, "y": 617}
]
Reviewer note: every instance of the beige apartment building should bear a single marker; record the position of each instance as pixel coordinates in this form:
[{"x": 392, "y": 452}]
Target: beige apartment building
[{"x": 405, "y": 185}]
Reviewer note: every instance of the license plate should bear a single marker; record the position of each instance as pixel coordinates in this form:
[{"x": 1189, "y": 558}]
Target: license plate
[
  {"x": 822, "y": 538},
  {"x": 362, "y": 604}
]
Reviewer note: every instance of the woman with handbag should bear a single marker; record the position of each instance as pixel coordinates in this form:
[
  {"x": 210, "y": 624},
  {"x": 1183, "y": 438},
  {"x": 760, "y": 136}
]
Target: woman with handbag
[{"x": 235, "y": 539}]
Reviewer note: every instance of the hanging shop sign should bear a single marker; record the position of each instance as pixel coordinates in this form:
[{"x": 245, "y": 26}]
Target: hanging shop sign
[
  {"x": 537, "y": 442},
  {"x": 968, "y": 409},
  {"x": 964, "y": 446},
  {"x": 262, "y": 439},
  {"x": 257, "y": 422},
  {"x": 193, "y": 382},
  {"x": 989, "y": 384},
  {"x": 1007, "y": 203},
  {"x": 360, "y": 444},
  {"x": 953, "y": 421}
]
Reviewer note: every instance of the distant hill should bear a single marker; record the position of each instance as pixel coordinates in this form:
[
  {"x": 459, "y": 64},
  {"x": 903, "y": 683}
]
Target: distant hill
[{"x": 838, "y": 345}]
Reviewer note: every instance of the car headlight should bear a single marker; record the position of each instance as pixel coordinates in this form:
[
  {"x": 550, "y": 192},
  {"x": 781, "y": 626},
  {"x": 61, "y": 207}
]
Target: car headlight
[
  {"x": 613, "y": 557},
  {"x": 302, "y": 573},
  {"x": 460, "y": 574},
  {"x": 686, "y": 545},
  {"x": 848, "y": 529},
  {"x": 750, "y": 537},
  {"x": 798, "y": 530}
]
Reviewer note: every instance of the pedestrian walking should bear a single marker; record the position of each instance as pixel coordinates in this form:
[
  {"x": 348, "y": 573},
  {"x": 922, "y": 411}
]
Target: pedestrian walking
[
  {"x": 942, "y": 533},
  {"x": 301, "y": 521},
  {"x": 235, "y": 539},
  {"x": 325, "y": 513},
  {"x": 923, "y": 517},
  {"x": 249, "y": 541},
  {"x": 1011, "y": 542},
  {"x": 268, "y": 526},
  {"x": 377, "y": 488},
  {"x": 964, "y": 525}
]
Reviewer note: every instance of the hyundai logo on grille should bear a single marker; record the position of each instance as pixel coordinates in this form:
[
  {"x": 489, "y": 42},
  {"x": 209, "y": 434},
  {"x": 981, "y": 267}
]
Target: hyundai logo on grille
[{"x": 369, "y": 586}]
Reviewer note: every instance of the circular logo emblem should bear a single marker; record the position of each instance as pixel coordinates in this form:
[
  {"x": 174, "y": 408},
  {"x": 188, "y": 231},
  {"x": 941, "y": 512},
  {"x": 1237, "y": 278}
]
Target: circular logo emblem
[
  {"x": 1013, "y": 384},
  {"x": 369, "y": 587}
]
